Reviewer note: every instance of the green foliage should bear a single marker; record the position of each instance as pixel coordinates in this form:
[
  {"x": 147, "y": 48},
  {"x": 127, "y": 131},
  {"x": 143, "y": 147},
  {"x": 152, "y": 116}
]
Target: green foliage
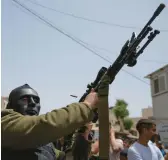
[
  {"x": 120, "y": 109},
  {"x": 128, "y": 123},
  {"x": 121, "y": 102}
]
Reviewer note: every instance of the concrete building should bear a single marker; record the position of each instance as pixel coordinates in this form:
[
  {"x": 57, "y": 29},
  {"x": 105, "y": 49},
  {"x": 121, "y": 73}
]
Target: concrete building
[
  {"x": 4, "y": 101},
  {"x": 146, "y": 113},
  {"x": 159, "y": 93}
]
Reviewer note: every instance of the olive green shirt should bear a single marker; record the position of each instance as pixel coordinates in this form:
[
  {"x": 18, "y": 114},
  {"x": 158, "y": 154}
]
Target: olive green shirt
[{"x": 23, "y": 132}]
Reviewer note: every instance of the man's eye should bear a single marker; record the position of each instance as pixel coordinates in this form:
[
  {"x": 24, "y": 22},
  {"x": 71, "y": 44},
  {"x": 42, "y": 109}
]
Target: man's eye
[
  {"x": 36, "y": 100},
  {"x": 25, "y": 99}
]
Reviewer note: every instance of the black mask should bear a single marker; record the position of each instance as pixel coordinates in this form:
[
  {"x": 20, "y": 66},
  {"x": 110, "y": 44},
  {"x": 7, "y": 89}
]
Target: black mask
[{"x": 24, "y": 100}]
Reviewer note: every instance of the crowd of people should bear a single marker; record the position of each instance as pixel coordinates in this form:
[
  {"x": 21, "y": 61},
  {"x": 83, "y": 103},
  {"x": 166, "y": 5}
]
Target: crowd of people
[
  {"x": 30, "y": 136},
  {"x": 147, "y": 147}
]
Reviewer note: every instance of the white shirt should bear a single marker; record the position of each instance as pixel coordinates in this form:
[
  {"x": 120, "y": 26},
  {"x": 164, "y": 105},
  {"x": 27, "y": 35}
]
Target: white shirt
[{"x": 141, "y": 152}]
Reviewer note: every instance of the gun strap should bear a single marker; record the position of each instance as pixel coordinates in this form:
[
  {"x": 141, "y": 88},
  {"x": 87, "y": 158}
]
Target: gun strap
[{"x": 103, "y": 111}]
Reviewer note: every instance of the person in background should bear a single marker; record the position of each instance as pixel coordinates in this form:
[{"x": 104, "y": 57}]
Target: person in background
[
  {"x": 61, "y": 148},
  {"x": 116, "y": 145},
  {"x": 82, "y": 146},
  {"x": 123, "y": 154},
  {"x": 160, "y": 146},
  {"x": 144, "y": 149},
  {"x": 166, "y": 148}
]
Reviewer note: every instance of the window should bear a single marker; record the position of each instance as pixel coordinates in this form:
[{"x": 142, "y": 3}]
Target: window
[
  {"x": 162, "y": 82},
  {"x": 156, "y": 86},
  {"x": 159, "y": 84}
]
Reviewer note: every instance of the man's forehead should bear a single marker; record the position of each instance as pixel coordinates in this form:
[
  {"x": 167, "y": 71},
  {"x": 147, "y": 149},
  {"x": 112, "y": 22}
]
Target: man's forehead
[
  {"x": 27, "y": 91},
  {"x": 23, "y": 92}
]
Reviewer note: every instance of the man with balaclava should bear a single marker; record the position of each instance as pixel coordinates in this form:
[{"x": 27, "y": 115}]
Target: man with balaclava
[{"x": 27, "y": 135}]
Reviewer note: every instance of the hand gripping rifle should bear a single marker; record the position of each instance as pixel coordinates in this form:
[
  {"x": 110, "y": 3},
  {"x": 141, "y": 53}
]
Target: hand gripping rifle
[{"x": 128, "y": 55}]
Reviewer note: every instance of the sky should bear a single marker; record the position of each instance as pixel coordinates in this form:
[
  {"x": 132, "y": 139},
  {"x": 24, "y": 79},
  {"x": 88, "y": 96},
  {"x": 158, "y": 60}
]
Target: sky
[{"x": 35, "y": 53}]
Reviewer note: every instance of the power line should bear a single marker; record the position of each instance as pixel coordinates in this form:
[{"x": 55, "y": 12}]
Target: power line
[
  {"x": 25, "y": 11},
  {"x": 111, "y": 52},
  {"x": 80, "y": 42},
  {"x": 155, "y": 61},
  {"x": 100, "y": 48},
  {"x": 106, "y": 50},
  {"x": 96, "y": 47},
  {"x": 87, "y": 19}
]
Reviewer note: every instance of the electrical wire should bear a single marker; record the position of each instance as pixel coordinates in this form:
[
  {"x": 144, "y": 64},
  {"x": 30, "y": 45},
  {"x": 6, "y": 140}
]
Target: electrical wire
[
  {"x": 94, "y": 46},
  {"x": 72, "y": 38},
  {"x": 87, "y": 19},
  {"x": 110, "y": 52}
]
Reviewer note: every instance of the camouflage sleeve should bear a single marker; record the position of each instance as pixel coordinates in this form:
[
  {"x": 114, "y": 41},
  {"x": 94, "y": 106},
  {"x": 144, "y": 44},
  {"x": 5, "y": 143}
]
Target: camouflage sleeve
[{"x": 22, "y": 132}]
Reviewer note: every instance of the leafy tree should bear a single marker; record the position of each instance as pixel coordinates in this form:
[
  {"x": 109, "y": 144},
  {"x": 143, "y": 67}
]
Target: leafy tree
[
  {"x": 121, "y": 111},
  {"x": 128, "y": 123}
]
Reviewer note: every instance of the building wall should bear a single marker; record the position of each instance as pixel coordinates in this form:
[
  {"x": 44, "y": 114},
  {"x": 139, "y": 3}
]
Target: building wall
[
  {"x": 160, "y": 100},
  {"x": 147, "y": 112},
  {"x": 160, "y": 106},
  {"x": 4, "y": 101}
]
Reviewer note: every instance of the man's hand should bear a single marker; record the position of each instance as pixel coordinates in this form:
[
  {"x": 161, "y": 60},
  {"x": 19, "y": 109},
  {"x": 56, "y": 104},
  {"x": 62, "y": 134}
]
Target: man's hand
[
  {"x": 91, "y": 99},
  {"x": 116, "y": 144}
]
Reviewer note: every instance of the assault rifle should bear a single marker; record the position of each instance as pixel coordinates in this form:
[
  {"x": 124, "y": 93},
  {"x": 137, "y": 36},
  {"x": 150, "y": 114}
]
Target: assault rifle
[{"x": 128, "y": 55}]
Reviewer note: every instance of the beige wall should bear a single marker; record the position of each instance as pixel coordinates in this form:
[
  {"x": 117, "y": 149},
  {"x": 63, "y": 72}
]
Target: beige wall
[
  {"x": 160, "y": 106},
  {"x": 4, "y": 101},
  {"x": 147, "y": 112},
  {"x": 160, "y": 101},
  {"x": 162, "y": 72},
  {"x": 135, "y": 120}
]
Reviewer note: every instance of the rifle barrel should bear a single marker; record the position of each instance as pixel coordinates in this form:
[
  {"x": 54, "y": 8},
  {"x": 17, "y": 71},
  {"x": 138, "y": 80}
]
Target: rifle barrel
[{"x": 155, "y": 14}]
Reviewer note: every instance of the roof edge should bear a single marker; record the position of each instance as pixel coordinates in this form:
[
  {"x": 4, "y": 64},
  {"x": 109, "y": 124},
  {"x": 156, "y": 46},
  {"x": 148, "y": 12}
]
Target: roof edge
[{"x": 162, "y": 68}]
